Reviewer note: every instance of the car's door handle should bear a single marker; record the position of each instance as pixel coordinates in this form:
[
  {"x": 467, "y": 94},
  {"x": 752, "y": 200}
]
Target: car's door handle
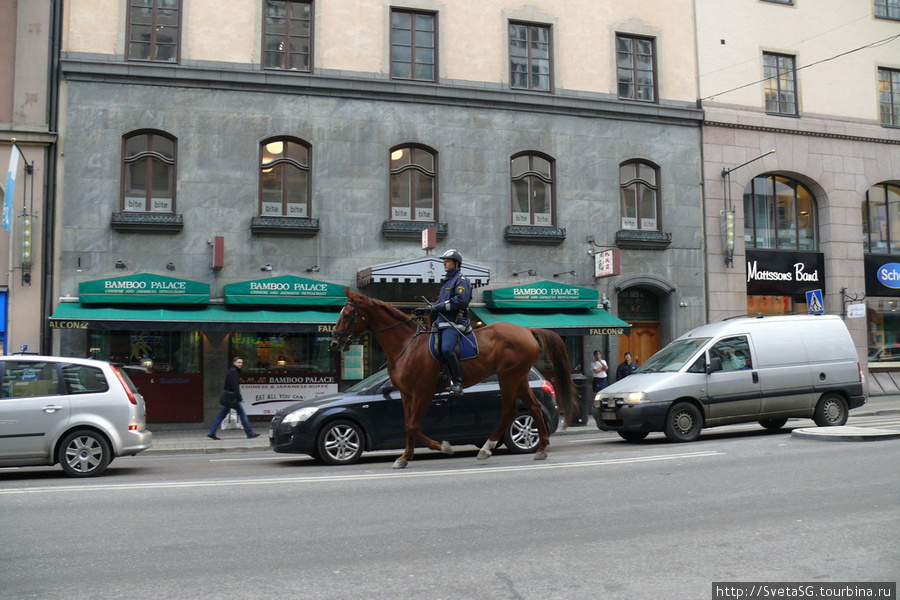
[
  {"x": 51, "y": 408},
  {"x": 755, "y": 377}
]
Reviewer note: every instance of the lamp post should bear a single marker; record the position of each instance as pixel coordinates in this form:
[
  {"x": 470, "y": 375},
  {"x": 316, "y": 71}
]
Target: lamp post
[{"x": 728, "y": 213}]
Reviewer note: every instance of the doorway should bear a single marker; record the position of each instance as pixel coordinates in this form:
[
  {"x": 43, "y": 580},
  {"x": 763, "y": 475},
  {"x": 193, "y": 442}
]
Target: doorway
[{"x": 640, "y": 307}]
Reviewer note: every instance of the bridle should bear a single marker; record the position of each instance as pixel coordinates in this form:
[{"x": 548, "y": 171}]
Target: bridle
[{"x": 344, "y": 338}]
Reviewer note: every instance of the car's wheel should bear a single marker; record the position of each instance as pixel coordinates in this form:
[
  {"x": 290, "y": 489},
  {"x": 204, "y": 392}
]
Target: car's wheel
[
  {"x": 340, "y": 443},
  {"x": 831, "y": 411},
  {"x": 522, "y": 435},
  {"x": 633, "y": 436},
  {"x": 683, "y": 423},
  {"x": 84, "y": 453},
  {"x": 773, "y": 423}
]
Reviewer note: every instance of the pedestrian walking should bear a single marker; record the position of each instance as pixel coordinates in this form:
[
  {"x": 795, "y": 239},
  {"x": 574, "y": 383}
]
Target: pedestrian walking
[{"x": 232, "y": 386}]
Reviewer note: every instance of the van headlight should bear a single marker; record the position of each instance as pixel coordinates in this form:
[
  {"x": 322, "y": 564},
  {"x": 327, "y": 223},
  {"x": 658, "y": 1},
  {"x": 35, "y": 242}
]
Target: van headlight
[
  {"x": 300, "y": 415},
  {"x": 635, "y": 397}
]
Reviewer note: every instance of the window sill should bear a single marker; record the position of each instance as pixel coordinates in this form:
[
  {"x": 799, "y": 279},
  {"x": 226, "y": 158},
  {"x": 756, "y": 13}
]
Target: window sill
[
  {"x": 638, "y": 239},
  {"x": 522, "y": 234},
  {"x": 284, "y": 226},
  {"x": 411, "y": 230},
  {"x": 146, "y": 222}
]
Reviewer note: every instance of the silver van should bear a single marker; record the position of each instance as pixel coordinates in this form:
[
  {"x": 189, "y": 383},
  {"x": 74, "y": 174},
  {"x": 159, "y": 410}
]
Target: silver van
[{"x": 765, "y": 369}]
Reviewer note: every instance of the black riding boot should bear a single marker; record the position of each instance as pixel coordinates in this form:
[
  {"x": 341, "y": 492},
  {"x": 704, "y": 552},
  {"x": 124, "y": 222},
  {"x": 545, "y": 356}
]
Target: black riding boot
[{"x": 456, "y": 388}]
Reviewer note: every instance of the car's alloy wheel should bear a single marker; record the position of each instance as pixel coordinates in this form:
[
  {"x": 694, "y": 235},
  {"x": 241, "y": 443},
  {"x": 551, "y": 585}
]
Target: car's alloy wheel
[
  {"x": 340, "y": 443},
  {"x": 831, "y": 411},
  {"x": 84, "y": 454},
  {"x": 683, "y": 423},
  {"x": 522, "y": 435}
]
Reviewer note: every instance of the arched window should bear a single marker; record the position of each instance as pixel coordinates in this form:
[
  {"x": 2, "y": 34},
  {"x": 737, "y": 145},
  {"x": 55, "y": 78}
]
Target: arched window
[
  {"x": 284, "y": 188},
  {"x": 779, "y": 214},
  {"x": 532, "y": 189},
  {"x": 413, "y": 184},
  {"x": 148, "y": 172},
  {"x": 639, "y": 192},
  {"x": 881, "y": 219}
]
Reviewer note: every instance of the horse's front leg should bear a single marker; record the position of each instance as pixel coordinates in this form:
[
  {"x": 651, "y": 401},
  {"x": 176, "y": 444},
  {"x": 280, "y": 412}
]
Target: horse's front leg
[{"x": 415, "y": 409}]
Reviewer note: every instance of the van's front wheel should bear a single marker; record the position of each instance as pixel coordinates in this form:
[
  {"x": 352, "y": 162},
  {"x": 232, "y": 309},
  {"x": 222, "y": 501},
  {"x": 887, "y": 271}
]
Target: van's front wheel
[
  {"x": 831, "y": 411},
  {"x": 683, "y": 423}
]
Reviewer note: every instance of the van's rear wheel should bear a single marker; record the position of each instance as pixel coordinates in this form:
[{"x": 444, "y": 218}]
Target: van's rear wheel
[
  {"x": 683, "y": 423},
  {"x": 831, "y": 411},
  {"x": 773, "y": 423}
]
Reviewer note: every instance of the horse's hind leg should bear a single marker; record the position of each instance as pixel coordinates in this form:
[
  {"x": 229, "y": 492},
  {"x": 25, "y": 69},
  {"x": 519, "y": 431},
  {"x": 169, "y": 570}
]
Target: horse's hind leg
[
  {"x": 508, "y": 413},
  {"x": 534, "y": 409}
]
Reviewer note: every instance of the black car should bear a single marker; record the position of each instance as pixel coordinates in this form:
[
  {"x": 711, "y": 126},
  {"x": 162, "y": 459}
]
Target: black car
[{"x": 338, "y": 428}]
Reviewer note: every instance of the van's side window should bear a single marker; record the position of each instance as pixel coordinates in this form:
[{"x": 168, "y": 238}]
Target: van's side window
[
  {"x": 734, "y": 353},
  {"x": 699, "y": 365}
]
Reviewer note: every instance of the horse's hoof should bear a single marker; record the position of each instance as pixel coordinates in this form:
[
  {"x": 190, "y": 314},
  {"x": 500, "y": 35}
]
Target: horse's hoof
[
  {"x": 399, "y": 464},
  {"x": 445, "y": 448},
  {"x": 540, "y": 455},
  {"x": 483, "y": 455}
]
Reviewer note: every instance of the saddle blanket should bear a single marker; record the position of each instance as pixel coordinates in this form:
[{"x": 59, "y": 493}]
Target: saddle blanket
[{"x": 468, "y": 346}]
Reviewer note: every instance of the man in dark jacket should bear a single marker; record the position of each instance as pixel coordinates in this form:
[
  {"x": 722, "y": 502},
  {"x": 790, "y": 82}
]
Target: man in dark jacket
[
  {"x": 626, "y": 368},
  {"x": 452, "y": 316},
  {"x": 233, "y": 385}
]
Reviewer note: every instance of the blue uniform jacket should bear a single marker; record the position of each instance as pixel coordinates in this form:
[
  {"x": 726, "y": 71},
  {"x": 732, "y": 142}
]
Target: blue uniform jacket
[{"x": 455, "y": 295}]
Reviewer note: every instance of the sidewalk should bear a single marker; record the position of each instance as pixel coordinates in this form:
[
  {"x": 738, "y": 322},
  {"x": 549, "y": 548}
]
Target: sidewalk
[{"x": 194, "y": 440}]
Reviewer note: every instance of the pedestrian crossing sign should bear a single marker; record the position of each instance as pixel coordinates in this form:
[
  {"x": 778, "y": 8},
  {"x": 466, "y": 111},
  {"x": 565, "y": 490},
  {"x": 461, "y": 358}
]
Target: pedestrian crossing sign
[{"x": 815, "y": 302}]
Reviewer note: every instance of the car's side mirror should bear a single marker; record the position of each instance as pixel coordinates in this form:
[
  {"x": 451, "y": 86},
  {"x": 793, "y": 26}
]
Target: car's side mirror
[
  {"x": 387, "y": 390},
  {"x": 715, "y": 364}
]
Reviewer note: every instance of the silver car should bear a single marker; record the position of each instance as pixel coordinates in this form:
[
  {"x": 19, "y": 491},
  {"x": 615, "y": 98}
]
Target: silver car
[{"x": 77, "y": 412}]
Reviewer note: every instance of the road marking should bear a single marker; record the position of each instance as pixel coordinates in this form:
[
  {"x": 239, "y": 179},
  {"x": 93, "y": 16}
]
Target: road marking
[{"x": 306, "y": 479}]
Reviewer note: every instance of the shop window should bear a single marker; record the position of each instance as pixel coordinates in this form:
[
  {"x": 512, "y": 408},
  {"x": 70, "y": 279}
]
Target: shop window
[
  {"x": 883, "y": 317},
  {"x": 283, "y": 352},
  {"x": 287, "y": 35},
  {"x": 153, "y": 30},
  {"x": 881, "y": 219},
  {"x": 779, "y": 214},
  {"x": 142, "y": 351}
]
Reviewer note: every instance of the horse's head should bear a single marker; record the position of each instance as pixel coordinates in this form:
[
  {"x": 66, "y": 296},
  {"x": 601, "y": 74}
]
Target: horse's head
[{"x": 350, "y": 324}]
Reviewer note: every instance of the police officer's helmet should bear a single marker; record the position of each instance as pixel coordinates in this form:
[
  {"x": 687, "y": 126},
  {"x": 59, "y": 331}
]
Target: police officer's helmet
[{"x": 453, "y": 254}]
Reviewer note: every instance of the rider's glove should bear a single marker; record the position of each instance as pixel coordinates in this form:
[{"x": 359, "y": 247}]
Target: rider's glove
[{"x": 423, "y": 311}]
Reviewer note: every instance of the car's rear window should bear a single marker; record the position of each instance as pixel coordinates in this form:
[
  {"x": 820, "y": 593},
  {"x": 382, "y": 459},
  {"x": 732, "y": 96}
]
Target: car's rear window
[{"x": 83, "y": 379}]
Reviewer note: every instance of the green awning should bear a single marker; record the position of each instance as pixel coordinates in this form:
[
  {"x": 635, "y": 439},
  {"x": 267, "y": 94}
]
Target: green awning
[
  {"x": 542, "y": 294},
  {"x": 75, "y": 315},
  {"x": 592, "y": 321},
  {"x": 143, "y": 288},
  {"x": 285, "y": 290}
]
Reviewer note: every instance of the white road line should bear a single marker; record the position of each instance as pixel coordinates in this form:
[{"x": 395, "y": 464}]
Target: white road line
[{"x": 476, "y": 470}]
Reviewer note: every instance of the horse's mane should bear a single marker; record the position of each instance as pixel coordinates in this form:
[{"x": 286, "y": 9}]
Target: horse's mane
[{"x": 393, "y": 312}]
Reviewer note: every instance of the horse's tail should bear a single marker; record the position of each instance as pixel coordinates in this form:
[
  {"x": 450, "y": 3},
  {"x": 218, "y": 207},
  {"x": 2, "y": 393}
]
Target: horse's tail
[{"x": 555, "y": 350}]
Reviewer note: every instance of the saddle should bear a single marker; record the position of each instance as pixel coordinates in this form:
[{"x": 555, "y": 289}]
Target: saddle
[{"x": 468, "y": 345}]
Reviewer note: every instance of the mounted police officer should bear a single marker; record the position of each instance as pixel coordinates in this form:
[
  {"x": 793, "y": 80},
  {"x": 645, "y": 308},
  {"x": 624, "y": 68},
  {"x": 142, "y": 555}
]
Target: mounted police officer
[{"x": 452, "y": 316}]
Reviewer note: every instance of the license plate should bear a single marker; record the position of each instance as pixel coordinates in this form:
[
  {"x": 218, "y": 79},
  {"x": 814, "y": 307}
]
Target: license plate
[
  {"x": 271, "y": 430},
  {"x": 608, "y": 416},
  {"x": 611, "y": 402}
]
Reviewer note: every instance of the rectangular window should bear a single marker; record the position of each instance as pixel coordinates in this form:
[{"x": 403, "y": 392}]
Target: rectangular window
[
  {"x": 529, "y": 57},
  {"x": 636, "y": 68},
  {"x": 287, "y": 35},
  {"x": 153, "y": 30},
  {"x": 889, "y": 96},
  {"x": 887, "y": 9},
  {"x": 413, "y": 45},
  {"x": 780, "y": 83}
]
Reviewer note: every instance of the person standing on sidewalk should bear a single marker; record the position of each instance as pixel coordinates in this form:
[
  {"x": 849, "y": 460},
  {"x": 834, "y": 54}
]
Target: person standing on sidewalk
[
  {"x": 233, "y": 385},
  {"x": 599, "y": 370}
]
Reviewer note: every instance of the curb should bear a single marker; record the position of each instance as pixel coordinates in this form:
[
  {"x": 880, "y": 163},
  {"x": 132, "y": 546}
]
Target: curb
[{"x": 845, "y": 433}]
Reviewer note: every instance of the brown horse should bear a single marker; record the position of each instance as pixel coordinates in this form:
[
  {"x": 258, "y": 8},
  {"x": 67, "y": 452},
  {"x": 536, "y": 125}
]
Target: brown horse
[{"x": 503, "y": 348}]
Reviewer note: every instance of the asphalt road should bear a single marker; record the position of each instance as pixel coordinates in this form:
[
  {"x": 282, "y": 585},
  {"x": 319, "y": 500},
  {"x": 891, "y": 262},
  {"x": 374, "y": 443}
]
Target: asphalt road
[{"x": 601, "y": 518}]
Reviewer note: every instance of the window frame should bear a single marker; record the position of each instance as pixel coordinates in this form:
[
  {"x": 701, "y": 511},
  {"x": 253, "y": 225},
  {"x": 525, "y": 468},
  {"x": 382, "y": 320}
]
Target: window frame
[
  {"x": 890, "y": 9},
  {"x": 773, "y": 85},
  {"x": 530, "y": 174},
  {"x": 773, "y": 215},
  {"x": 153, "y": 44},
  {"x": 529, "y": 58},
  {"x": 284, "y": 161},
  {"x": 149, "y": 155},
  {"x": 638, "y": 181},
  {"x": 890, "y": 79},
  {"x": 415, "y": 48},
  {"x": 654, "y": 71},
  {"x": 867, "y": 218},
  {"x": 433, "y": 174},
  {"x": 288, "y": 36}
]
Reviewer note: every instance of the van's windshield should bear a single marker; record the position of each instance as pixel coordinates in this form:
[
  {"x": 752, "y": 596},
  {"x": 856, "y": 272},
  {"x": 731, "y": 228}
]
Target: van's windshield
[{"x": 673, "y": 357}]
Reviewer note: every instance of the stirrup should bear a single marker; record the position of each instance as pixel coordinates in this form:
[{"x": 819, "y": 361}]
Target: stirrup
[{"x": 456, "y": 389}]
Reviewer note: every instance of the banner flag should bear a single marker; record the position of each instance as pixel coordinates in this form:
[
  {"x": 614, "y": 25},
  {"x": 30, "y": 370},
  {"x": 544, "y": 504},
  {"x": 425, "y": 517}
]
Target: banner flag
[{"x": 8, "y": 196}]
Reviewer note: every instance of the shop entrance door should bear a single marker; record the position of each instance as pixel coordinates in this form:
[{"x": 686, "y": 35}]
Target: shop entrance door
[{"x": 642, "y": 343}]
